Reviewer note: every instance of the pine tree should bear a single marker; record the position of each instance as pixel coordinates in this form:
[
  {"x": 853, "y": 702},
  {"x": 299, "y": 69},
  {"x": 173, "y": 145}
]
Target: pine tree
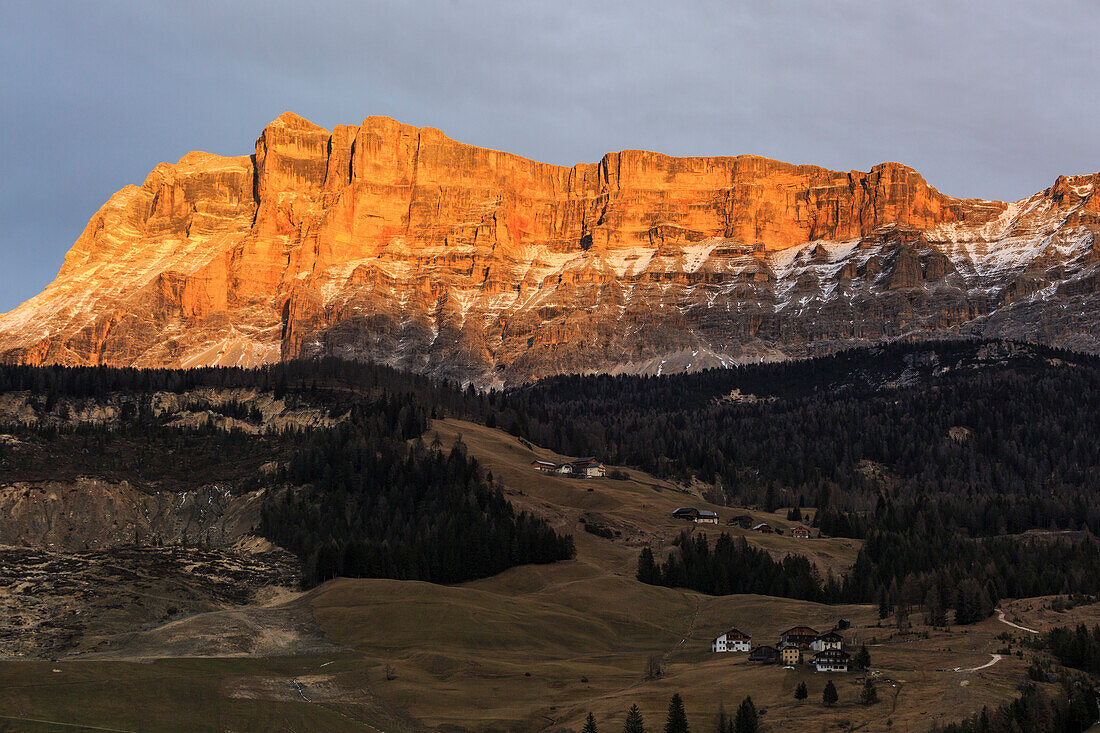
[
  {"x": 935, "y": 614},
  {"x": 911, "y": 592},
  {"x": 677, "y": 719},
  {"x": 722, "y": 722},
  {"x": 634, "y": 722},
  {"x": 647, "y": 568},
  {"x": 829, "y": 695},
  {"x": 589, "y": 724},
  {"x": 901, "y": 616},
  {"x": 800, "y": 692},
  {"x": 746, "y": 720},
  {"x": 863, "y": 657},
  {"x": 868, "y": 695}
]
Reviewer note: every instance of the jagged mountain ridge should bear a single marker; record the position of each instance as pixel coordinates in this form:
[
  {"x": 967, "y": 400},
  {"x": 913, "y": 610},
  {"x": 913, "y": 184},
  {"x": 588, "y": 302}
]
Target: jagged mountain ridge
[{"x": 389, "y": 242}]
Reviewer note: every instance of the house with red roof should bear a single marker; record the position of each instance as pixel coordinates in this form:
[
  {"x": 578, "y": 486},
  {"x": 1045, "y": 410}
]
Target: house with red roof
[{"x": 731, "y": 641}]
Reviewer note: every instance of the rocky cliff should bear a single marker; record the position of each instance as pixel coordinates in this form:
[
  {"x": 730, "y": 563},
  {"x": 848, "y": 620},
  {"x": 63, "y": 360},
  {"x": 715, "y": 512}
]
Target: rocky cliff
[{"x": 394, "y": 243}]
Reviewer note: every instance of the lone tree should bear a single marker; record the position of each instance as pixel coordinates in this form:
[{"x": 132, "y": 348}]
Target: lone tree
[
  {"x": 800, "y": 692},
  {"x": 589, "y": 724},
  {"x": 868, "y": 695},
  {"x": 885, "y": 608},
  {"x": 653, "y": 667},
  {"x": 829, "y": 696},
  {"x": 901, "y": 616},
  {"x": 634, "y": 722},
  {"x": 746, "y": 720},
  {"x": 863, "y": 657},
  {"x": 677, "y": 719}
]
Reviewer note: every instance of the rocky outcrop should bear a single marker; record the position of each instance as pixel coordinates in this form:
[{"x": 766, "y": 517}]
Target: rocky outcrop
[
  {"x": 388, "y": 242},
  {"x": 93, "y": 515}
]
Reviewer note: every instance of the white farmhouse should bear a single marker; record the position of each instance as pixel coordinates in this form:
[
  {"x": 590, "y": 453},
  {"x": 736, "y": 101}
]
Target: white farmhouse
[
  {"x": 833, "y": 660},
  {"x": 829, "y": 641},
  {"x": 588, "y": 468},
  {"x": 731, "y": 641}
]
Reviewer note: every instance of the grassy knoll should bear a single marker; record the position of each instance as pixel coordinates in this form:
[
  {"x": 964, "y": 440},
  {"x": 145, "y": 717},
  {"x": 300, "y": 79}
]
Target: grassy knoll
[{"x": 539, "y": 647}]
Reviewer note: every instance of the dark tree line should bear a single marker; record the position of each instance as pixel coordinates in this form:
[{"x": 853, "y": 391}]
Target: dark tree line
[
  {"x": 734, "y": 566},
  {"x": 372, "y": 504},
  {"x": 1078, "y": 647},
  {"x": 965, "y": 441},
  {"x": 141, "y": 447},
  {"x": 1073, "y": 709},
  {"x": 971, "y": 574},
  {"x": 967, "y": 575},
  {"x": 369, "y": 499},
  {"x": 324, "y": 381}
]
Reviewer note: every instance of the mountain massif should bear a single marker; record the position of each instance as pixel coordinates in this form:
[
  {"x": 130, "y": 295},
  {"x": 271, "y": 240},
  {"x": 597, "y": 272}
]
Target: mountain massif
[{"x": 393, "y": 243}]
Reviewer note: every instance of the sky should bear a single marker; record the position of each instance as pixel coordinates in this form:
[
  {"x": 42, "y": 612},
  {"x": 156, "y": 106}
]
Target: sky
[{"x": 985, "y": 99}]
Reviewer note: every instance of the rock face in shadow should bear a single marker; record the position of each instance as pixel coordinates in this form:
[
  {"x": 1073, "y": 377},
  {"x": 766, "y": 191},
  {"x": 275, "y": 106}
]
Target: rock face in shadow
[{"x": 393, "y": 243}]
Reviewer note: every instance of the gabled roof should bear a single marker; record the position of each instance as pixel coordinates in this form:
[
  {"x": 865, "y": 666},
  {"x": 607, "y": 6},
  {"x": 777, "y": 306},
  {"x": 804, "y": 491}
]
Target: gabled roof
[
  {"x": 678, "y": 510},
  {"x": 764, "y": 649},
  {"x": 799, "y": 528},
  {"x": 707, "y": 513},
  {"x": 543, "y": 463},
  {"x": 830, "y": 636},
  {"x": 589, "y": 461},
  {"x": 733, "y": 633},
  {"x": 762, "y": 524},
  {"x": 799, "y": 631}
]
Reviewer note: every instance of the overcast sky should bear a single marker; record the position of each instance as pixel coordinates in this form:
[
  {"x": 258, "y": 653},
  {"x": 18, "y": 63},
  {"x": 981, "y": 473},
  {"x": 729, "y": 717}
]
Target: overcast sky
[{"x": 985, "y": 99}]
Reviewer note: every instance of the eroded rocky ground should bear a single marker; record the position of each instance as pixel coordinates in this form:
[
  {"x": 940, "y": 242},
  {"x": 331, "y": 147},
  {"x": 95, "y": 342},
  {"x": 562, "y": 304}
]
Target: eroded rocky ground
[
  {"x": 64, "y": 604},
  {"x": 118, "y": 532}
]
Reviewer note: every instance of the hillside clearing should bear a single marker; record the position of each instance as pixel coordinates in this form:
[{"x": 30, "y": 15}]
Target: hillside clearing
[{"x": 531, "y": 649}]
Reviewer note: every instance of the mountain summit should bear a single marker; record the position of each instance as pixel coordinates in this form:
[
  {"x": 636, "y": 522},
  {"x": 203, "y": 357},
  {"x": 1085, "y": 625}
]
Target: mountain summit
[{"x": 393, "y": 243}]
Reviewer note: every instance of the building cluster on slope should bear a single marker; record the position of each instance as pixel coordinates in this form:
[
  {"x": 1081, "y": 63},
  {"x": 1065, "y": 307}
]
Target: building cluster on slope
[
  {"x": 699, "y": 516},
  {"x": 580, "y": 468},
  {"x": 797, "y": 645},
  {"x": 744, "y": 521}
]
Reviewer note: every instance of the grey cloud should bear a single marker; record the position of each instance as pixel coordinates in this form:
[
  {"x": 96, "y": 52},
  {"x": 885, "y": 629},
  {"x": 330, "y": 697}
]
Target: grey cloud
[{"x": 988, "y": 99}]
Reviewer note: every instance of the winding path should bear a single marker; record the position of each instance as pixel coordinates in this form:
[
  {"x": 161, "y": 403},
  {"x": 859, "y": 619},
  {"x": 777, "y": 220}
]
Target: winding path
[
  {"x": 996, "y": 658},
  {"x": 1003, "y": 620}
]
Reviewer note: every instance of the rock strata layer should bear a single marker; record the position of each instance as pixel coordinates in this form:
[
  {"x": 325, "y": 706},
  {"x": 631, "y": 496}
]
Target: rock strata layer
[{"x": 393, "y": 243}]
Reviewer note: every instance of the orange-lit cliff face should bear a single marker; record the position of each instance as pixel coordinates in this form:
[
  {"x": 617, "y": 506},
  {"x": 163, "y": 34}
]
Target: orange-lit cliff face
[{"x": 394, "y": 243}]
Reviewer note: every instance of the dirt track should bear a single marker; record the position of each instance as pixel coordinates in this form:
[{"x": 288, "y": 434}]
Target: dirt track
[{"x": 1003, "y": 620}]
